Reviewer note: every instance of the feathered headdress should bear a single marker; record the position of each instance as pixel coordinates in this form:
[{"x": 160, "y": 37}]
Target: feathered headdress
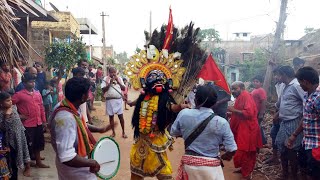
[{"x": 181, "y": 63}]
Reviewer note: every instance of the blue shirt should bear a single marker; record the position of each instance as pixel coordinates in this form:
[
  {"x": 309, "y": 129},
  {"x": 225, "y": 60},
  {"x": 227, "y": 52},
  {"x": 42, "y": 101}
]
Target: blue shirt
[
  {"x": 207, "y": 143},
  {"x": 41, "y": 81},
  {"x": 21, "y": 86},
  {"x": 47, "y": 99},
  {"x": 290, "y": 104}
]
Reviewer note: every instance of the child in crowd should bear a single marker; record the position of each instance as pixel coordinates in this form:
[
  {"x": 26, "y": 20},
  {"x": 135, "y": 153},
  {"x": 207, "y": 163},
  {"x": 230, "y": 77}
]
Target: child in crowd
[
  {"x": 15, "y": 136},
  {"x": 125, "y": 93},
  {"x": 56, "y": 83},
  {"x": 5, "y": 77},
  {"x": 4, "y": 169},
  {"x": 54, "y": 95},
  {"x": 47, "y": 93}
]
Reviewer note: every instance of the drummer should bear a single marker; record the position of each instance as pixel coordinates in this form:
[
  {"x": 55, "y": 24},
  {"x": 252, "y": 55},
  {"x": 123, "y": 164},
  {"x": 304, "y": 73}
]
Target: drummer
[{"x": 71, "y": 139}]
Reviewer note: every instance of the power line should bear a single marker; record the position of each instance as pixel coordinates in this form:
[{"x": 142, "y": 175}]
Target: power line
[{"x": 247, "y": 18}]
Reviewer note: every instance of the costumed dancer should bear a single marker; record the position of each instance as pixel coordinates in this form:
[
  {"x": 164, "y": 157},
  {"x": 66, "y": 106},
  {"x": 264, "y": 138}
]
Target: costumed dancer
[
  {"x": 158, "y": 74},
  {"x": 155, "y": 110}
]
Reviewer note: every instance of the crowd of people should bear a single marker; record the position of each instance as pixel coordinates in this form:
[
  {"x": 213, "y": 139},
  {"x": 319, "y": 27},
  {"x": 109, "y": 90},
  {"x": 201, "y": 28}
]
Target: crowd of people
[
  {"x": 27, "y": 101},
  {"x": 30, "y": 105}
]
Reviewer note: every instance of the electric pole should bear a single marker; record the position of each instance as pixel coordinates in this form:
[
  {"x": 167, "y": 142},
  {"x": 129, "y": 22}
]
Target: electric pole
[
  {"x": 104, "y": 59},
  {"x": 150, "y": 23}
]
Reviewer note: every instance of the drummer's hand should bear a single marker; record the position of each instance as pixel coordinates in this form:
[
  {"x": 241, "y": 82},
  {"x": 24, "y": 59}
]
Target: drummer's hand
[{"x": 94, "y": 166}]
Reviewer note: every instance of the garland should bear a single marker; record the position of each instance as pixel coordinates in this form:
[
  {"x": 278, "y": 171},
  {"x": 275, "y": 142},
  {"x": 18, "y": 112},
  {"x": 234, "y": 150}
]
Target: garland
[{"x": 148, "y": 115}]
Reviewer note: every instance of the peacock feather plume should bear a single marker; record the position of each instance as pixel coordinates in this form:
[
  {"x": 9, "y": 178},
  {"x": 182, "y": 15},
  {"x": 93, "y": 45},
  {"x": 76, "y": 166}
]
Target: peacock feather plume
[{"x": 186, "y": 42}]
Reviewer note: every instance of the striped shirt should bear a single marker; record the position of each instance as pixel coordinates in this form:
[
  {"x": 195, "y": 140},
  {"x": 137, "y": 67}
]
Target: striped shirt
[{"x": 311, "y": 122}]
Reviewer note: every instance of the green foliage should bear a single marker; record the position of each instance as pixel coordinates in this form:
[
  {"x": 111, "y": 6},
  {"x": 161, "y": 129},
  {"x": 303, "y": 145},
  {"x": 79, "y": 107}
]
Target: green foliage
[
  {"x": 99, "y": 93},
  {"x": 208, "y": 38},
  {"x": 137, "y": 50},
  {"x": 122, "y": 57},
  {"x": 308, "y": 30},
  {"x": 209, "y": 35},
  {"x": 256, "y": 65},
  {"x": 64, "y": 56},
  {"x": 111, "y": 61},
  {"x": 80, "y": 49}
]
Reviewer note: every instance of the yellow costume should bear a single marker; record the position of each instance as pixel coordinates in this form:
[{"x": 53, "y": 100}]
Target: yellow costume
[
  {"x": 148, "y": 156},
  {"x": 157, "y": 75}
]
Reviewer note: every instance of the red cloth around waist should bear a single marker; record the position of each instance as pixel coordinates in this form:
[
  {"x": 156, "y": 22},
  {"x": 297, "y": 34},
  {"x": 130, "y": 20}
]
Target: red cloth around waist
[{"x": 195, "y": 161}]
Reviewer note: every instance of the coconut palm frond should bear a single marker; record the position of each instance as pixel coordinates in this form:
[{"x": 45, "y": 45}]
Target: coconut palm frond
[{"x": 10, "y": 40}]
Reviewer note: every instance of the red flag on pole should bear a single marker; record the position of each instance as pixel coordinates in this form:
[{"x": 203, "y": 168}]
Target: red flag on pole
[
  {"x": 211, "y": 72},
  {"x": 169, "y": 32}
]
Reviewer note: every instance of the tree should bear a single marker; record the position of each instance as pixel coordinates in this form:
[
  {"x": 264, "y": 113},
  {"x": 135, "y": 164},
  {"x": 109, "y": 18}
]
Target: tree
[
  {"x": 122, "y": 57},
  {"x": 308, "y": 30},
  {"x": 274, "y": 58},
  {"x": 257, "y": 65},
  {"x": 63, "y": 56},
  {"x": 210, "y": 35}
]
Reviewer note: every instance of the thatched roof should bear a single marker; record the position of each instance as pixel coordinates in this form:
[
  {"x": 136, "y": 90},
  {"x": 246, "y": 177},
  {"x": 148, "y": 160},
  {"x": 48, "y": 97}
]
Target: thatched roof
[{"x": 10, "y": 40}]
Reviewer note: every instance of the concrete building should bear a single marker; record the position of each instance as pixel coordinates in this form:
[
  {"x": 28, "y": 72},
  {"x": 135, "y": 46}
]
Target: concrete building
[
  {"x": 238, "y": 50},
  {"x": 242, "y": 36},
  {"x": 97, "y": 51},
  {"x": 43, "y": 33}
]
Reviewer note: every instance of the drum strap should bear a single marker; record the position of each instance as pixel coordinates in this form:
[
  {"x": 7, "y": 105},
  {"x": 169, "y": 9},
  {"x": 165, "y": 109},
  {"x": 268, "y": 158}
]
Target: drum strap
[{"x": 84, "y": 135}]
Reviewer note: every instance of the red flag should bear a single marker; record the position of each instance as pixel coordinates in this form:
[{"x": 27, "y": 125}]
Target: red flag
[
  {"x": 211, "y": 72},
  {"x": 169, "y": 32}
]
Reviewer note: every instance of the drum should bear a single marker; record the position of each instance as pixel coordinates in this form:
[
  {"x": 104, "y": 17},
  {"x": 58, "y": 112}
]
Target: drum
[{"x": 107, "y": 153}]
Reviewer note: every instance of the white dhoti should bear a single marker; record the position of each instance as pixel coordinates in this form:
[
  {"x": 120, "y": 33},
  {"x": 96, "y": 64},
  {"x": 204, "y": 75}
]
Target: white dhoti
[
  {"x": 114, "y": 106},
  {"x": 195, "y": 167}
]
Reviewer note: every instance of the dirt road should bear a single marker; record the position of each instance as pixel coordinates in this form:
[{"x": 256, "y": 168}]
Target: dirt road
[{"x": 125, "y": 145}]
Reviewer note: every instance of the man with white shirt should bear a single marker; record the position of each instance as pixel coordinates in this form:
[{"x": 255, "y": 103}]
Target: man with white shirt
[
  {"x": 112, "y": 86},
  {"x": 71, "y": 139}
]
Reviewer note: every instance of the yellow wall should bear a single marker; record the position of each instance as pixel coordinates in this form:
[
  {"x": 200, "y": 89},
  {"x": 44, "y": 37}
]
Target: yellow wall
[{"x": 67, "y": 25}]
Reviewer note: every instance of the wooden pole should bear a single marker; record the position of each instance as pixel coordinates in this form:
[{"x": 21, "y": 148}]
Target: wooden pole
[{"x": 274, "y": 58}]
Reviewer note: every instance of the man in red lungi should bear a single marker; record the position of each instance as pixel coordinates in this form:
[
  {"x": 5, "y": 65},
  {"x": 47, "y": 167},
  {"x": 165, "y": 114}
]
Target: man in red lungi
[{"x": 245, "y": 127}]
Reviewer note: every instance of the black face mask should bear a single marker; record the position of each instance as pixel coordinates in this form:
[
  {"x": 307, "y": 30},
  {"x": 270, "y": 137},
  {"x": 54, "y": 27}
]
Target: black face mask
[{"x": 156, "y": 81}]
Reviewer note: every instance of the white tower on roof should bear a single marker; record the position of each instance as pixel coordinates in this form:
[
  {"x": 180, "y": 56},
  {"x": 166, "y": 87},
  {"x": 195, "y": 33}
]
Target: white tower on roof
[{"x": 242, "y": 36}]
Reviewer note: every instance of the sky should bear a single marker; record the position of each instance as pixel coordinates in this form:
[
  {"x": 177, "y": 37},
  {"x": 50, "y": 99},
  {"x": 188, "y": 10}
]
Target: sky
[{"x": 128, "y": 19}]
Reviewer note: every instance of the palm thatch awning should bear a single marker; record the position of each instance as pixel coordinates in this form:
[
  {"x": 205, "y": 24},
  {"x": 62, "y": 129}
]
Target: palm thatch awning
[{"x": 11, "y": 42}]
